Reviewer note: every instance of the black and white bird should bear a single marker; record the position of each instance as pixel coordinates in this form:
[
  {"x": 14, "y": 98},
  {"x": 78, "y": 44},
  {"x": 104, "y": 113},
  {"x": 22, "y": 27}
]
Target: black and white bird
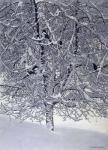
[
  {"x": 31, "y": 71},
  {"x": 95, "y": 67},
  {"x": 104, "y": 68},
  {"x": 46, "y": 35}
]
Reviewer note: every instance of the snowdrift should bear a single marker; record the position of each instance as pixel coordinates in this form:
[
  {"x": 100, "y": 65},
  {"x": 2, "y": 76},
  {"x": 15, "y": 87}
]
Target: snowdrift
[{"x": 30, "y": 136}]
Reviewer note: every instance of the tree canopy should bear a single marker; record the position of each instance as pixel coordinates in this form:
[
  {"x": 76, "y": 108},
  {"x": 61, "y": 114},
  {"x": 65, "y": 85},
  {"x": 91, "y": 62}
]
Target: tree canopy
[{"x": 53, "y": 57}]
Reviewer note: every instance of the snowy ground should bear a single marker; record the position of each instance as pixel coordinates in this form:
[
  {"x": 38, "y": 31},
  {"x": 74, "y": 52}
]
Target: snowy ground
[{"x": 29, "y": 136}]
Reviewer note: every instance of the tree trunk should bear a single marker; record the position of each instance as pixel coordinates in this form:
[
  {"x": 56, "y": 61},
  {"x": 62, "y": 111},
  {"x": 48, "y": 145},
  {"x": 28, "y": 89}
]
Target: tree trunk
[
  {"x": 48, "y": 107},
  {"x": 36, "y": 17},
  {"x": 49, "y": 117},
  {"x": 76, "y": 27}
]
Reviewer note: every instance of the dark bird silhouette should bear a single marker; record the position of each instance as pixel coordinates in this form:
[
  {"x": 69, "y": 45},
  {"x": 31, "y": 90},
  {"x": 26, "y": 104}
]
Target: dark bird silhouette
[
  {"x": 95, "y": 67},
  {"x": 31, "y": 71},
  {"x": 34, "y": 67},
  {"x": 60, "y": 42},
  {"x": 46, "y": 35}
]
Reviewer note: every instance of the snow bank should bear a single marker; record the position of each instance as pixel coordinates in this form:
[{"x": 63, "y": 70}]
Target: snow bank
[{"x": 29, "y": 136}]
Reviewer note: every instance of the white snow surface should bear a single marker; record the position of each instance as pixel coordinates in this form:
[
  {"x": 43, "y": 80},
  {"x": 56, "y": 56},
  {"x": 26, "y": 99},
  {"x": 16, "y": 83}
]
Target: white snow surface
[{"x": 32, "y": 136}]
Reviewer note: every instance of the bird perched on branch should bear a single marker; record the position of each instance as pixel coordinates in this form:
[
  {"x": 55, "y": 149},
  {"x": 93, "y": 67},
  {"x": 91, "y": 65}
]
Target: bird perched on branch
[
  {"x": 46, "y": 35},
  {"x": 104, "y": 68},
  {"x": 95, "y": 67},
  {"x": 31, "y": 71}
]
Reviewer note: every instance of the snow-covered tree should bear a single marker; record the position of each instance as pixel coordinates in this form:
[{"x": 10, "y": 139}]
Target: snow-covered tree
[{"x": 54, "y": 60}]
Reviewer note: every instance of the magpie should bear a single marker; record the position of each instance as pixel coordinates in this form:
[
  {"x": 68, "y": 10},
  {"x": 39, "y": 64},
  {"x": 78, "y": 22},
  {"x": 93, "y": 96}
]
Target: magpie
[{"x": 95, "y": 67}]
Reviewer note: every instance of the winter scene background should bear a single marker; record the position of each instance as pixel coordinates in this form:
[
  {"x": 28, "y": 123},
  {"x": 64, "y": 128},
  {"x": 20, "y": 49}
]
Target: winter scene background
[{"x": 53, "y": 74}]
